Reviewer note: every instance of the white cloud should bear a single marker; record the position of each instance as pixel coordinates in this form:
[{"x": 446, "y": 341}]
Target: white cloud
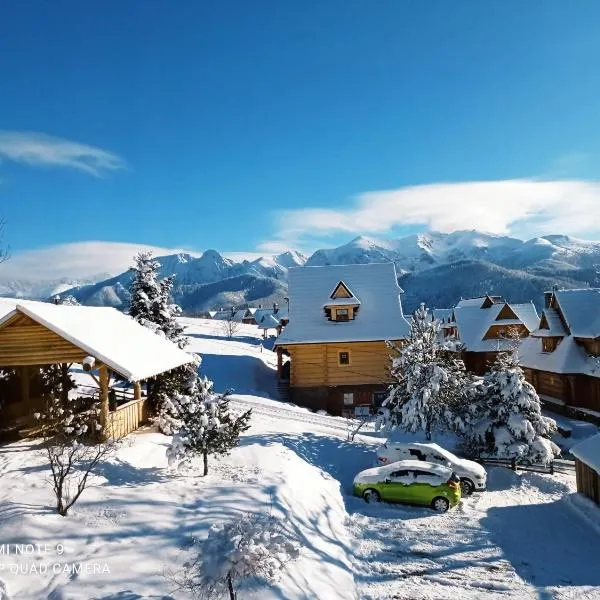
[
  {"x": 519, "y": 207},
  {"x": 39, "y": 149},
  {"x": 76, "y": 260}
]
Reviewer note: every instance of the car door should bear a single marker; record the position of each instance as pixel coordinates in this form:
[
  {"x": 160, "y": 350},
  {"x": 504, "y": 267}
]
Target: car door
[
  {"x": 398, "y": 485},
  {"x": 423, "y": 491}
]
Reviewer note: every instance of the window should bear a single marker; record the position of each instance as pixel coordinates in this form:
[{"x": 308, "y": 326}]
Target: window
[
  {"x": 378, "y": 398},
  {"x": 344, "y": 358},
  {"x": 341, "y": 314},
  {"x": 549, "y": 344},
  {"x": 400, "y": 474},
  {"x": 348, "y": 398},
  {"x": 417, "y": 453}
]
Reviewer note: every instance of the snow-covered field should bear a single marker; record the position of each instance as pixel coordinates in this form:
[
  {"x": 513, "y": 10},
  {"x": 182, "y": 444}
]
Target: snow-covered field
[{"x": 529, "y": 536}]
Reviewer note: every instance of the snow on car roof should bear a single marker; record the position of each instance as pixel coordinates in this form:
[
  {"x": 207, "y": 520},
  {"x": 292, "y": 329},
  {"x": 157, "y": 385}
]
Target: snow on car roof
[
  {"x": 588, "y": 452},
  {"x": 421, "y": 465},
  {"x": 375, "y": 285},
  {"x": 125, "y": 346}
]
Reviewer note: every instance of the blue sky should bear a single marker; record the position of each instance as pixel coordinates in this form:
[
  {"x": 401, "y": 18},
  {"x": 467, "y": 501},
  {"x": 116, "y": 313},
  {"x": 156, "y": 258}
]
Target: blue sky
[{"x": 250, "y": 126}]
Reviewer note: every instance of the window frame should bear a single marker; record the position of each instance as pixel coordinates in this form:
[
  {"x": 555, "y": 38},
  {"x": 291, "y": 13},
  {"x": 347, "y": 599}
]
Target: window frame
[
  {"x": 344, "y": 394},
  {"x": 343, "y": 364}
]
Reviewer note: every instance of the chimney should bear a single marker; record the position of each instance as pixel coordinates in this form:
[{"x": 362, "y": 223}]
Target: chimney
[
  {"x": 547, "y": 299},
  {"x": 275, "y": 308}
]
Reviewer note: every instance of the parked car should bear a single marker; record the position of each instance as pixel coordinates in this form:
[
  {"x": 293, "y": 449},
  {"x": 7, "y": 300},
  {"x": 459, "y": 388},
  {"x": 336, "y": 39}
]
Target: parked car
[
  {"x": 473, "y": 476},
  {"x": 410, "y": 482}
]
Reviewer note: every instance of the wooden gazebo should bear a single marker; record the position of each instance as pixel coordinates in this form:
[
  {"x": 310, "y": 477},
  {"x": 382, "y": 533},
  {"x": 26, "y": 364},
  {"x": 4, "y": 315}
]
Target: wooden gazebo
[{"x": 105, "y": 341}]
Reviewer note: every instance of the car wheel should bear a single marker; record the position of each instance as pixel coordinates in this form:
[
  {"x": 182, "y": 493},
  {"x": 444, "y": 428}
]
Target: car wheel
[
  {"x": 467, "y": 487},
  {"x": 371, "y": 496},
  {"x": 440, "y": 504}
]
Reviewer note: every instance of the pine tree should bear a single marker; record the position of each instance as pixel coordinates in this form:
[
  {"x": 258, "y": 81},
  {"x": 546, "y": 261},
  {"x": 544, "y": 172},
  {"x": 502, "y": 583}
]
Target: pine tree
[
  {"x": 69, "y": 300},
  {"x": 206, "y": 426},
  {"x": 429, "y": 382},
  {"x": 151, "y": 305},
  {"x": 508, "y": 421}
]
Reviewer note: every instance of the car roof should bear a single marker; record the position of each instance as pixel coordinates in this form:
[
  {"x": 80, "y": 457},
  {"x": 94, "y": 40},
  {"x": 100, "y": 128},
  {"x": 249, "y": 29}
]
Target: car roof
[
  {"x": 422, "y": 446},
  {"x": 420, "y": 465}
]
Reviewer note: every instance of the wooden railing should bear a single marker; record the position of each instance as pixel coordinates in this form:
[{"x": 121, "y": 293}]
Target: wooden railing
[{"x": 127, "y": 418}]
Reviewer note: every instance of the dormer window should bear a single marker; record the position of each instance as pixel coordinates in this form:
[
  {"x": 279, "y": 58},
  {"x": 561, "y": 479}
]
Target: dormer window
[{"x": 342, "y": 305}]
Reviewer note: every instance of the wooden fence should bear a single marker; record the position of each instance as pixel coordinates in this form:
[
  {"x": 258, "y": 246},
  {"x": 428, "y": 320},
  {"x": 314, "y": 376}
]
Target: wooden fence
[
  {"x": 127, "y": 418},
  {"x": 558, "y": 465}
]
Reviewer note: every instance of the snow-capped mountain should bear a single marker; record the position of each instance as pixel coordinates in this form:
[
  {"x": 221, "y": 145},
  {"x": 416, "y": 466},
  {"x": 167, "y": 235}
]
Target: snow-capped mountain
[{"x": 437, "y": 268}]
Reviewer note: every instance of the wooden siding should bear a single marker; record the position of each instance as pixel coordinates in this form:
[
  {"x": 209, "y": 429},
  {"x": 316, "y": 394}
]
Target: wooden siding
[
  {"x": 341, "y": 291},
  {"x": 500, "y": 331},
  {"x": 552, "y": 384},
  {"x": 127, "y": 418},
  {"x": 25, "y": 342},
  {"x": 588, "y": 481},
  {"x": 506, "y": 312},
  {"x": 314, "y": 365}
]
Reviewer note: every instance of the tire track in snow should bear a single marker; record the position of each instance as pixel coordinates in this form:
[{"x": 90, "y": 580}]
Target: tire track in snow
[{"x": 291, "y": 414}]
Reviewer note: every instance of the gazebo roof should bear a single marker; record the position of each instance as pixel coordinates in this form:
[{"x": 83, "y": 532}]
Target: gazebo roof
[{"x": 113, "y": 338}]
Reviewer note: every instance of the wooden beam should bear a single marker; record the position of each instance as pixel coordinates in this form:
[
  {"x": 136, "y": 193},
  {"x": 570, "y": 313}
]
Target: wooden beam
[
  {"x": 25, "y": 379},
  {"x": 137, "y": 395},
  {"x": 103, "y": 384}
]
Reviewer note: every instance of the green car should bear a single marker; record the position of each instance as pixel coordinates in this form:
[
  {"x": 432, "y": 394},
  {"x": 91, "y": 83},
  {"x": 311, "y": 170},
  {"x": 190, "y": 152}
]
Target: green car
[{"x": 410, "y": 482}]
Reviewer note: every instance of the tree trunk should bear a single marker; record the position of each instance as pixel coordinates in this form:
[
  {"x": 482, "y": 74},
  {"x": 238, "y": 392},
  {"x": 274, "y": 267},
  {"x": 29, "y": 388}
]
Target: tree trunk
[
  {"x": 232, "y": 594},
  {"x": 205, "y": 457},
  {"x": 428, "y": 431}
]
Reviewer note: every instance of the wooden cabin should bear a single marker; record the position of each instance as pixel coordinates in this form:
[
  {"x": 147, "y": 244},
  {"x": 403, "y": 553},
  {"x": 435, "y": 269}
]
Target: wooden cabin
[
  {"x": 485, "y": 325},
  {"x": 340, "y": 318},
  {"x": 587, "y": 467},
  {"x": 561, "y": 359},
  {"x": 107, "y": 342}
]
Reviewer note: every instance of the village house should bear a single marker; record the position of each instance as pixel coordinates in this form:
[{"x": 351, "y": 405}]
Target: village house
[
  {"x": 108, "y": 343},
  {"x": 484, "y": 325},
  {"x": 339, "y": 320},
  {"x": 445, "y": 316},
  {"x": 562, "y": 357},
  {"x": 587, "y": 467}
]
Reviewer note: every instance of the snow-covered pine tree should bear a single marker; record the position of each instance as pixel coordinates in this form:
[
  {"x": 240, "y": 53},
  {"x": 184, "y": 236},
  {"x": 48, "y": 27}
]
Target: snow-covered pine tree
[
  {"x": 151, "y": 305},
  {"x": 206, "y": 425},
  {"x": 508, "y": 422},
  {"x": 250, "y": 550},
  {"x": 69, "y": 300},
  {"x": 429, "y": 381}
]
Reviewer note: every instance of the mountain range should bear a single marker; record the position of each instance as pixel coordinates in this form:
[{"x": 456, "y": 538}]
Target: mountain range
[{"x": 437, "y": 268}]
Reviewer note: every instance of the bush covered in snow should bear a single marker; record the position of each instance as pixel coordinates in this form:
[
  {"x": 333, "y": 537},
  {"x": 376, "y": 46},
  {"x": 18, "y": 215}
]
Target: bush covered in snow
[
  {"x": 204, "y": 424},
  {"x": 507, "y": 421},
  {"x": 429, "y": 382},
  {"x": 246, "y": 552}
]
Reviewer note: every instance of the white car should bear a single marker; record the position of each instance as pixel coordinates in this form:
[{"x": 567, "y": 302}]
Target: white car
[{"x": 473, "y": 477}]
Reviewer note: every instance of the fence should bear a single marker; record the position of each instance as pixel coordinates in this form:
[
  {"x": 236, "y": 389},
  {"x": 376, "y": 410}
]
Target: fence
[
  {"x": 558, "y": 465},
  {"x": 127, "y": 418}
]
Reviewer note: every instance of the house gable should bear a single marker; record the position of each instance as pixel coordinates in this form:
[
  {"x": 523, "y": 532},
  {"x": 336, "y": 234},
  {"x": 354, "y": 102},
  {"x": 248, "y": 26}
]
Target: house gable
[
  {"x": 341, "y": 291},
  {"x": 506, "y": 313},
  {"x": 24, "y": 341}
]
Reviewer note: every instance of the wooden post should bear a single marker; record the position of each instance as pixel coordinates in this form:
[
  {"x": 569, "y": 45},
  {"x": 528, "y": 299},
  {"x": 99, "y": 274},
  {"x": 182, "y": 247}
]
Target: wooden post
[
  {"x": 137, "y": 395},
  {"x": 103, "y": 380},
  {"x": 24, "y": 378},
  {"x": 279, "y": 362}
]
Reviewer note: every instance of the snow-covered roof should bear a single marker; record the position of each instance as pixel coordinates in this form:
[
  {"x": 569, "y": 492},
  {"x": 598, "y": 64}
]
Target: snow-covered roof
[
  {"x": 122, "y": 344},
  {"x": 379, "y": 318},
  {"x": 567, "y": 357},
  {"x": 581, "y": 310},
  {"x": 442, "y": 314},
  {"x": 588, "y": 452},
  {"x": 352, "y": 301},
  {"x": 527, "y": 314},
  {"x": 473, "y": 323},
  {"x": 555, "y": 325},
  {"x": 471, "y": 302},
  {"x": 268, "y": 321}
]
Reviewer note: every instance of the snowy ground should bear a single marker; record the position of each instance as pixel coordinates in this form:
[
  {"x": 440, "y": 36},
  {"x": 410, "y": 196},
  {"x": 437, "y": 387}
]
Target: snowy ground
[{"x": 529, "y": 536}]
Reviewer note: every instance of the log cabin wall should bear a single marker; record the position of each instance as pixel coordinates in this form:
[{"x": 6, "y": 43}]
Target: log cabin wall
[
  {"x": 588, "y": 481},
  {"x": 314, "y": 365},
  {"x": 25, "y": 342}
]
